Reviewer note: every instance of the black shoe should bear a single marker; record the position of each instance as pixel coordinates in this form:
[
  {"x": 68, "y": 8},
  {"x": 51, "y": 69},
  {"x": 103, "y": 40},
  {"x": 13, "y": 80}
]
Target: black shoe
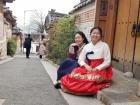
[
  {"x": 27, "y": 57},
  {"x": 57, "y": 85}
]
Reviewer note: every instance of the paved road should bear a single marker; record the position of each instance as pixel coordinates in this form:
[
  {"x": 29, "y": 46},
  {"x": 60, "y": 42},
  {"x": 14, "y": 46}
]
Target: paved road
[
  {"x": 25, "y": 82},
  {"x": 71, "y": 99}
]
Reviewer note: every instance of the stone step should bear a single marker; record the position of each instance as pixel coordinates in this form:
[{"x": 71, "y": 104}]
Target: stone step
[
  {"x": 2, "y": 101},
  {"x": 122, "y": 91},
  {"x": 109, "y": 98}
]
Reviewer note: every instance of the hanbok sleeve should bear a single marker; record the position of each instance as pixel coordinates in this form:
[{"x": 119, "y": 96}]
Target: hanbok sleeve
[
  {"x": 72, "y": 52},
  {"x": 71, "y": 49},
  {"x": 82, "y": 57},
  {"x": 106, "y": 57}
]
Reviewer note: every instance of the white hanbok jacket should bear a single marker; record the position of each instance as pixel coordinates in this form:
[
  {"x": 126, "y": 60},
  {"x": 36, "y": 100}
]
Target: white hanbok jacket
[{"x": 100, "y": 51}]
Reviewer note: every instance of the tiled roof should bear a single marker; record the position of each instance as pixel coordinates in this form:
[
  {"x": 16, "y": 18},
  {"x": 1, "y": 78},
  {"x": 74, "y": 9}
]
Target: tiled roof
[
  {"x": 9, "y": 16},
  {"x": 9, "y": 1},
  {"x": 81, "y": 5},
  {"x": 52, "y": 12}
]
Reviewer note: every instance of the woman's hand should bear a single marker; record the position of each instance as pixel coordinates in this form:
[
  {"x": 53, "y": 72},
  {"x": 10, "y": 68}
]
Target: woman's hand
[
  {"x": 88, "y": 68},
  {"x": 94, "y": 69},
  {"x": 74, "y": 44},
  {"x": 71, "y": 48}
]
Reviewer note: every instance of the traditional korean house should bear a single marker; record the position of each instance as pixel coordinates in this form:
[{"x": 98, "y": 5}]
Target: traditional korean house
[
  {"x": 85, "y": 12},
  {"x": 51, "y": 17},
  {"x": 3, "y": 45},
  {"x": 120, "y": 22},
  {"x": 9, "y": 22},
  {"x": 18, "y": 36}
]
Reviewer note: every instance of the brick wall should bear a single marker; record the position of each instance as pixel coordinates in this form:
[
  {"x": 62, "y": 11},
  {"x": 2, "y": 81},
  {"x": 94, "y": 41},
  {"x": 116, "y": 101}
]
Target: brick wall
[{"x": 86, "y": 18}]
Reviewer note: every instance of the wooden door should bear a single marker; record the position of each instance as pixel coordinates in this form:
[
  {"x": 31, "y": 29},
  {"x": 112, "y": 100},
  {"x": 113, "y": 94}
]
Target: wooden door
[
  {"x": 105, "y": 18},
  {"x": 123, "y": 50},
  {"x": 136, "y": 63},
  {"x": 130, "y": 41},
  {"x": 121, "y": 33}
]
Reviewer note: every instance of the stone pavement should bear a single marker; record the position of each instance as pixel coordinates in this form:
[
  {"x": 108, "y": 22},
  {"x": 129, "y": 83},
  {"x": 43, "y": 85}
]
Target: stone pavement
[
  {"x": 8, "y": 58},
  {"x": 25, "y": 82},
  {"x": 71, "y": 99},
  {"x": 122, "y": 91}
]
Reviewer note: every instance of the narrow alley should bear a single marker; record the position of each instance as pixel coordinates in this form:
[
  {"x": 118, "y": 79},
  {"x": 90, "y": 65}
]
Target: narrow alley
[{"x": 25, "y": 82}]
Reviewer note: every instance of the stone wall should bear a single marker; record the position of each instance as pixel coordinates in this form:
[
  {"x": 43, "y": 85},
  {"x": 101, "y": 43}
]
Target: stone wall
[
  {"x": 3, "y": 49},
  {"x": 7, "y": 29},
  {"x": 3, "y": 45}
]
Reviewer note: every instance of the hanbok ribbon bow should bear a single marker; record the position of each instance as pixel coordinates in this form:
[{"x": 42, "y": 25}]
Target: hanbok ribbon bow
[{"x": 88, "y": 53}]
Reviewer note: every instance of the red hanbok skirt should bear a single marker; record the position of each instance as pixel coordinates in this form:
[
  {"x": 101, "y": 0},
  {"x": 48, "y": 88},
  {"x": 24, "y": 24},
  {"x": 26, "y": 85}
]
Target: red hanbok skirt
[{"x": 82, "y": 82}]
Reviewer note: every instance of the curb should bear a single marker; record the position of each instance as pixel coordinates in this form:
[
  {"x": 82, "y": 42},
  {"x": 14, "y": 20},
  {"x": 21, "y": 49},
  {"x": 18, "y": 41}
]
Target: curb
[
  {"x": 48, "y": 60},
  {"x": 70, "y": 99},
  {"x": 7, "y": 59},
  {"x": 122, "y": 91}
]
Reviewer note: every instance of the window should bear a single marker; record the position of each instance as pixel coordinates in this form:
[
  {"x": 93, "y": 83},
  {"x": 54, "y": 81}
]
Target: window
[{"x": 103, "y": 8}]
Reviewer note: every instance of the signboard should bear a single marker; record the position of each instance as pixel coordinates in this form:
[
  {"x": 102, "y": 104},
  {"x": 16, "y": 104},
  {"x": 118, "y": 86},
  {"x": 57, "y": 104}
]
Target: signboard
[{"x": 103, "y": 8}]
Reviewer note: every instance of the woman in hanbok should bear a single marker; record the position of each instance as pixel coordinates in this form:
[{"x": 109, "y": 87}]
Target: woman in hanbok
[
  {"x": 95, "y": 71},
  {"x": 71, "y": 62},
  {"x": 42, "y": 49}
]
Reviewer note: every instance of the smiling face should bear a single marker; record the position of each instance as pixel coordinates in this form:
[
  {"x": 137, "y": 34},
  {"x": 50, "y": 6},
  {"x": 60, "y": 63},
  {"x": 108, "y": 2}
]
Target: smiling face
[
  {"x": 78, "y": 39},
  {"x": 95, "y": 36}
]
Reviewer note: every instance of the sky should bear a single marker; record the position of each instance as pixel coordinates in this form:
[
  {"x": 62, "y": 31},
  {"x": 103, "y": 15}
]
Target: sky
[{"x": 19, "y": 6}]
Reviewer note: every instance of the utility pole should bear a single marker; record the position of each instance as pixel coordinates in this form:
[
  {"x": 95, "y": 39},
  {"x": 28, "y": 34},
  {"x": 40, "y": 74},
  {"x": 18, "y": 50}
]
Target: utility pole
[{"x": 24, "y": 24}]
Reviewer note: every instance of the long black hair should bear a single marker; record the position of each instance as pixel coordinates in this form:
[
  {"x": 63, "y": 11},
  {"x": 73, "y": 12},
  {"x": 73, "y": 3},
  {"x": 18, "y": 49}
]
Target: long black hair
[{"x": 82, "y": 35}]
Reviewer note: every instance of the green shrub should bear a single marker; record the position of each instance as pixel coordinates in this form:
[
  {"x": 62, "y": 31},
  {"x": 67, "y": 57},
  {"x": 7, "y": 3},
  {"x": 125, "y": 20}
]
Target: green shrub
[
  {"x": 60, "y": 37},
  {"x": 11, "y": 47}
]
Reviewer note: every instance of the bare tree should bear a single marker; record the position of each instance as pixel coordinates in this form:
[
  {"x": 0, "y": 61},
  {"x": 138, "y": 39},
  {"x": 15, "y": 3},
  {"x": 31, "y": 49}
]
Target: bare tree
[{"x": 37, "y": 22}]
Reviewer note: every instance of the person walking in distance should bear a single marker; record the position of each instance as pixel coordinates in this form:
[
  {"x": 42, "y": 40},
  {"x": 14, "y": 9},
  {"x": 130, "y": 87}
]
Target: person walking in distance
[
  {"x": 42, "y": 49},
  {"x": 27, "y": 45}
]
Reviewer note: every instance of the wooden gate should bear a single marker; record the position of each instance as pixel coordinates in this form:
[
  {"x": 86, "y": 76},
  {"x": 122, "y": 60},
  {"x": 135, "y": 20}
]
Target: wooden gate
[
  {"x": 105, "y": 18},
  {"x": 136, "y": 63},
  {"x": 120, "y": 21},
  {"x": 126, "y": 47}
]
